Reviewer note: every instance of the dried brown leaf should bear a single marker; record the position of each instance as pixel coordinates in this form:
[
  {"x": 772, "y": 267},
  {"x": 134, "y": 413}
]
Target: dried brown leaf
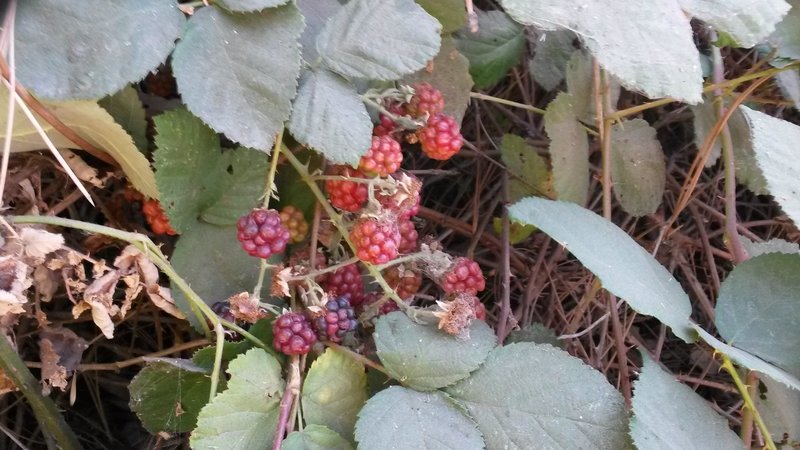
[
  {"x": 53, "y": 374},
  {"x": 245, "y": 307},
  {"x": 14, "y": 280},
  {"x": 46, "y": 282},
  {"x": 40, "y": 243},
  {"x": 162, "y": 297}
]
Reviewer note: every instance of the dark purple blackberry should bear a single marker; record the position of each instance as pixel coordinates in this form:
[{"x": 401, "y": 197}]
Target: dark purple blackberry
[
  {"x": 292, "y": 334},
  {"x": 338, "y": 319},
  {"x": 262, "y": 233}
]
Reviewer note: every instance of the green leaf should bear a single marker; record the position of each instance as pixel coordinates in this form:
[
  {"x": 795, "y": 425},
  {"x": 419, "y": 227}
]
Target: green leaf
[
  {"x": 452, "y": 14},
  {"x": 330, "y": 117},
  {"x": 774, "y": 142},
  {"x": 624, "y": 267},
  {"x": 741, "y": 19},
  {"x": 653, "y": 52},
  {"x": 757, "y": 309},
  {"x": 748, "y": 170},
  {"x": 786, "y": 38},
  {"x": 243, "y": 183},
  {"x": 779, "y": 407},
  {"x": 246, "y": 6},
  {"x": 450, "y": 74},
  {"x": 316, "y": 14},
  {"x": 91, "y": 48},
  {"x": 581, "y": 86},
  {"x": 189, "y": 168},
  {"x": 245, "y": 415},
  {"x": 637, "y": 167},
  {"x": 494, "y": 49},
  {"x": 529, "y": 396},
  {"x": 230, "y": 350},
  {"x": 91, "y": 122},
  {"x": 705, "y": 116},
  {"x": 128, "y": 111},
  {"x": 517, "y": 232},
  {"x": 238, "y": 72},
  {"x": 399, "y": 418},
  {"x": 771, "y": 246},
  {"x": 569, "y": 150},
  {"x": 212, "y": 261},
  {"x": 789, "y": 84},
  {"x": 379, "y": 39},
  {"x": 334, "y": 391},
  {"x": 549, "y": 63},
  {"x": 167, "y": 397},
  {"x": 669, "y": 415},
  {"x": 530, "y": 175},
  {"x": 315, "y": 437},
  {"x": 424, "y": 358},
  {"x": 749, "y": 361},
  {"x": 535, "y": 333}
]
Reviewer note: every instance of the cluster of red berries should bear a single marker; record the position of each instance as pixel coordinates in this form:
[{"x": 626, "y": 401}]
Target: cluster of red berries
[
  {"x": 266, "y": 232},
  {"x": 155, "y": 216},
  {"x": 295, "y": 333}
]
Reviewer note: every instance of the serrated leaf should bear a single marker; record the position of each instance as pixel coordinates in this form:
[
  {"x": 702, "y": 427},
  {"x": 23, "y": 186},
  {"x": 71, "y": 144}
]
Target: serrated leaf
[
  {"x": 379, "y": 39},
  {"x": 530, "y": 175},
  {"x": 535, "y": 333},
  {"x": 316, "y": 14},
  {"x": 243, "y": 184},
  {"x": 494, "y": 49},
  {"x": 774, "y": 142},
  {"x": 748, "y": 360},
  {"x": 569, "y": 150},
  {"x": 128, "y": 111},
  {"x": 623, "y": 266},
  {"x": 245, "y": 415},
  {"x": 786, "y": 38},
  {"x": 424, "y": 358},
  {"x": 747, "y": 23},
  {"x": 330, "y": 117},
  {"x": 91, "y": 48},
  {"x": 91, "y": 122},
  {"x": 315, "y": 437},
  {"x": 789, "y": 84},
  {"x": 399, "y": 418},
  {"x": 334, "y": 391},
  {"x": 638, "y": 168},
  {"x": 211, "y": 260},
  {"x": 167, "y": 397},
  {"x": 449, "y": 73},
  {"x": 549, "y": 63},
  {"x": 779, "y": 407},
  {"x": 518, "y": 399},
  {"x": 581, "y": 86},
  {"x": 748, "y": 171},
  {"x": 189, "y": 167},
  {"x": 757, "y": 308},
  {"x": 754, "y": 249},
  {"x": 653, "y": 52},
  {"x": 246, "y": 6},
  {"x": 452, "y": 14},
  {"x": 245, "y": 90},
  {"x": 669, "y": 415}
]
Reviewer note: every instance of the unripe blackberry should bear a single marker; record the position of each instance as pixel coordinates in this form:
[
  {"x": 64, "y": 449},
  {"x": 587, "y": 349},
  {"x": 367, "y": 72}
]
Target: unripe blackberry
[
  {"x": 408, "y": 236},
  {"x": 261, "y": 233},
  {"x": 383, "y": 157},
  {"x": 427, "y": 100},
  {"x": 292, "y": 334},
  {"x": 155, "y": 216},
  {"x": 405, "y": 281},
  {"x": 336, "y": 320},
  {"x": 440, "y": 137},
  {"x": 464, "y": 276},
  {"x": 347, "y": 195},
  {"x": 345, "y": 281},
  {"x": 293, "y": 219},
  {"x": 376, "y": 240}
]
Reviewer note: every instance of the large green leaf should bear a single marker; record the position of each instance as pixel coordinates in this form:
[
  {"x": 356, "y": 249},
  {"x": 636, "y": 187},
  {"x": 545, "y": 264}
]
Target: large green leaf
[
  {"x": 330, "y": 117},
  {"x": 748, "y": 24},
  {"x": 758, "y": 309},
  {"x": 494, "y": 49},
  {"x": 624, "y": 267},
  {"x": 452, "y": 14},
  {"x": 127, "y": 110},
  {"x": 530, "y": 175},
  {"x": 425, "y": 358},
  {"x": 245, "y": 6},
  {"x": 91, "y": 48},
  {"x": 774, "y": 142},
  {"x": 238, "y": 72},
  {"x": 786, "y": 38},
  {"x": 569, "y": 150},
  {"x": 549, "y": 63},
  {"x": 450, "y": 74},
  {"x": 243, "y": 183},
  {"x": 91, "y": 122},
  {"x": 647, "y": 45},
  {"x": 316, "y": 14},
  {"x": 167, "y": 396},
  {"x": 212, "y": 261},
  {"x": 399, "y": 418},
  {"x": 637, "y": 167},
  {"x": 379, "y": 39},
  {"x": 244, "y": 416},
  {"x": 671, "y": 416},
  {"x": 334, "y": 391},
  {"x": 528, "y": 396},
  {"x": 315, "y": 437}
]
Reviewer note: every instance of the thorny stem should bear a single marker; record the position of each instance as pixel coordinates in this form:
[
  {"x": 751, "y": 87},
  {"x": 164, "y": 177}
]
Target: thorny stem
[
  {"x": 268, "y": 191},
  {"x": 289, "y": 393},
  {"x": 749, "y": 405}
]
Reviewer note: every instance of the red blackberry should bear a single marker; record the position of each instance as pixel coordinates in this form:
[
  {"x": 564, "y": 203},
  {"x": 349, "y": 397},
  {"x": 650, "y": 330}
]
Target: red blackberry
[
  {"x": 261, "y": 233},
  {"x": 292, "y": 334},
  {"x": 405, "y": 281},
  {"x": 293, "y": 219},
  {"x": 385, "y": 126},
  {"x": 155, "y": 216},
  {"x": 427, "y": 100},
  {"x": 337, "y": 319},
  {"x": 345, "y": 281},
  {"x": 376, "y": 240},
  {"x": 464, "y": 276},
  {"x": 383, "y": 157},
  {"x": 347, "y": 195},
  {"x": 440, "y": 137},
  {"x": 480, "y": 309},
  {"x": 408, "y": 236}
]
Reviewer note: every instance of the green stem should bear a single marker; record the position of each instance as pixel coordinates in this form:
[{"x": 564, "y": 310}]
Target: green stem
[
  {"x": 43, "y": 407},
  {"x": 268, "y": 190},
  {"x": 503, "y": 101},
  {"x": 217, "y": 360},
  {"x": 748, "y": 401}
]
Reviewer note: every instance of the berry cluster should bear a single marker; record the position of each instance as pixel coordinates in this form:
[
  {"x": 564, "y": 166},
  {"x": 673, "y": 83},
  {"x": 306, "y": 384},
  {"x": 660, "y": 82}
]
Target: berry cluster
[
  {"x": 262, "y": 233},
  {"x": 155, "y": 216},
  {"x": 295, "y": 333}
]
